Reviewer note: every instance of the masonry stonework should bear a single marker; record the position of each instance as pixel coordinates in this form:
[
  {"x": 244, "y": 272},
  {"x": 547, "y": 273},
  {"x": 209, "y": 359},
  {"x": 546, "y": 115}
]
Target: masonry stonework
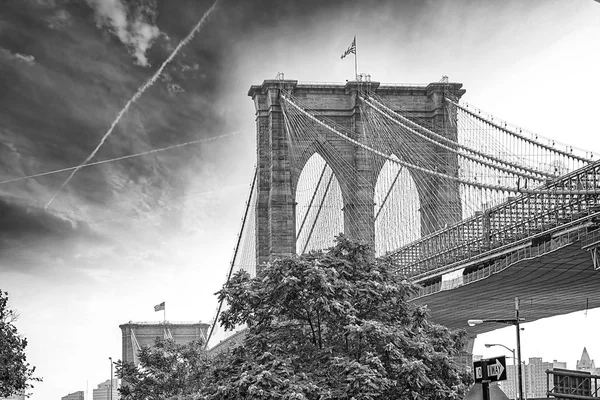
[
  {"x": 146, "y": 334},
  {"x": 279, "y": 170}
]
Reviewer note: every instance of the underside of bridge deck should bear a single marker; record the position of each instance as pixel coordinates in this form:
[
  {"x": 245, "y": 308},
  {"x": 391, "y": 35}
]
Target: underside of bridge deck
[{"x": 557, "y": 282}]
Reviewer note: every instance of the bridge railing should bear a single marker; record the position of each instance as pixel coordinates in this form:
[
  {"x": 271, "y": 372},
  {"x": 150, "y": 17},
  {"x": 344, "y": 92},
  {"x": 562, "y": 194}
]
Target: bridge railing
[
  {"x": 575, "y": 385},
  {"x": 564, "y": 200}
]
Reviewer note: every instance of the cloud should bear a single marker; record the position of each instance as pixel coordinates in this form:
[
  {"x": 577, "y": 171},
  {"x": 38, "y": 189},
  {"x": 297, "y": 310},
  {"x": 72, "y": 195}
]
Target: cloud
[
  {"x": 31, "y": 237},
  {"x": 133, "y": 25},
  {"x": 59, "y": 20},
  {"x": 26, "y": 58}
]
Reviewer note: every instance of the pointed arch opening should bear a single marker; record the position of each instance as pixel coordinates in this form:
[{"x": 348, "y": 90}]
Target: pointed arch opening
[
  {"x": 397, "y": 208},
  {"x": 319, "y": 215}
]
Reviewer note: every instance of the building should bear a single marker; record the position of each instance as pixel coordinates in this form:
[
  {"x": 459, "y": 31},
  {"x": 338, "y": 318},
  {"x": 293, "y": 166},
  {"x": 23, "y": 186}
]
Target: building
[
  {"x": 74, "y": 396},
  {"x": 586, "y": 364},
  {"x": 534, "y": 378},
  {"x": 144, "y": 334},
  {"x": 103, "y": 391}
]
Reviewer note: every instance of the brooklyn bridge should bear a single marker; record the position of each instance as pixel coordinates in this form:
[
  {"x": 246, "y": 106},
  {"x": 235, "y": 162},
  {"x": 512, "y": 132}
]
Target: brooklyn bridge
[{"x": 474, "y": 209}]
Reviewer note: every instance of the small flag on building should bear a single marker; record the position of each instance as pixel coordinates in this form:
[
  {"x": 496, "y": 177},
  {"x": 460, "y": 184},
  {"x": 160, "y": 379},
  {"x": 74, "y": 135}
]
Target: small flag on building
[
  {"x": 351, "y": 49},
  {"x": 159, "y": 307}
]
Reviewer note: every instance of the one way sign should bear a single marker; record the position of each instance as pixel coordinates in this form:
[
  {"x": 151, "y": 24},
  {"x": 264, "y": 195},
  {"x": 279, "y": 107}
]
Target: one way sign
[
  {"x": 496, "y": 371},
  {"x": 490, "y": 369}
]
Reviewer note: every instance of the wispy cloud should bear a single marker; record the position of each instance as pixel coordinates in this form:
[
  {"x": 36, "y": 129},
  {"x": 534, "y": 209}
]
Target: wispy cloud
[
  {"x": 134, "y": 26},
  {"x": 26, "y": 58},
  {"x": 31, "y": 237}
]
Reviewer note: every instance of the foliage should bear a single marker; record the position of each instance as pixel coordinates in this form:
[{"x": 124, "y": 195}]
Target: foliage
[
  {"x": 334, "y": 325},
  {"x": 16, "y": 374},
  {"x": 166, "y": 370},
  {"x": 327, "y": 325}
]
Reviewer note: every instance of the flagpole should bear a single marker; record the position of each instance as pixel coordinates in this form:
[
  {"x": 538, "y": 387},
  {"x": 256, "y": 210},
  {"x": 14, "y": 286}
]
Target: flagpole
[{"x": 355, "y": 63}]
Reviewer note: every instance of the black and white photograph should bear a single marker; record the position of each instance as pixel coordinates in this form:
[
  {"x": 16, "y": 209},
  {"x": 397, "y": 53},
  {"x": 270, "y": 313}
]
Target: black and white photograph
[{"x": 299, "y": 199}]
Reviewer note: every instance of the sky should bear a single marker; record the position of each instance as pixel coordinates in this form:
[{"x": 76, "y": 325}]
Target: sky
[{"x": 124, "y": 236}]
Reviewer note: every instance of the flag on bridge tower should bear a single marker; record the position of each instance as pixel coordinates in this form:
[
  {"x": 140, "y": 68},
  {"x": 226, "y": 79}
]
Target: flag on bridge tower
[
  {"x": 352, "y": 50},
  {"x": 160, "y": 307}
]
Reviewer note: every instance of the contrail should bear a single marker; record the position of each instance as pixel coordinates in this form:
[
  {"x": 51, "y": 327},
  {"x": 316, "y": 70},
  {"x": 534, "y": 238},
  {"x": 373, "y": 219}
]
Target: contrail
[
  {"x": 118, "y": 158},
  {"x": 135, "y": 97}
]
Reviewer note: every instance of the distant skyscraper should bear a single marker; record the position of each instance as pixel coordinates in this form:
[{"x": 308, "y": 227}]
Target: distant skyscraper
[
  {"x": 74, "y": 396},
  {"x": 103, "y": 391}
]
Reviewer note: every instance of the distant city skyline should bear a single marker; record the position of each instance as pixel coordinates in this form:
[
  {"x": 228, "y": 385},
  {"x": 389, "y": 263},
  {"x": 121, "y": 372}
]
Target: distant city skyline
[{"x": 534, "y": 374}]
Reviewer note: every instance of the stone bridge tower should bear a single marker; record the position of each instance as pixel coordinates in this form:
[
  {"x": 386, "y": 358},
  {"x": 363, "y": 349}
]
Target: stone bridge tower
[{"x": 279, "y": 169}]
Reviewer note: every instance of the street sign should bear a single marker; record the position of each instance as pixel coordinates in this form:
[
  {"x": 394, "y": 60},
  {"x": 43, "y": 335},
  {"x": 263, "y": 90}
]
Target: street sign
[
  {"x": 496, "y": 369},
  {"x": 490, "y": 369}
]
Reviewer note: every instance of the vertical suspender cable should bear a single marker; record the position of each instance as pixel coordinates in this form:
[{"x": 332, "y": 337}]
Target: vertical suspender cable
[
  {"x": 312, "y": 228},
  {"x": 235, "y": 251},
  {"x": 312, "y": 199}
]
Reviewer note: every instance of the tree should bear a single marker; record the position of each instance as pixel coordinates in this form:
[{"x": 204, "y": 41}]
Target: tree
[
  {"x": 16, "y": 374},
  {"x": 166, "y": 370},
  {"x": 334, "y": 325}
]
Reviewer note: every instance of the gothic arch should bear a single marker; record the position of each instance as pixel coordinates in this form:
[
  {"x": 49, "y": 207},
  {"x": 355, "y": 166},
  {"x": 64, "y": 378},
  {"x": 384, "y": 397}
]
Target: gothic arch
[
  {"x": 396, "y": 208},
  {"x": 318, "y": 212}
]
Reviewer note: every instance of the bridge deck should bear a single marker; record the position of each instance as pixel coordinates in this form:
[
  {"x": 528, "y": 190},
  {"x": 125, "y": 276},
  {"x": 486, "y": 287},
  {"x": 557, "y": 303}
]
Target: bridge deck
[{"x": 559, "y": 280}]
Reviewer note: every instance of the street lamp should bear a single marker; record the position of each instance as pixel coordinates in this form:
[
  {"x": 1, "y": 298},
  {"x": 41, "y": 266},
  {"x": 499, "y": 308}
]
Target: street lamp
[
  {"x": 513, "y": 357},
  {"x": 111, "y": 378},
  {"x": 512, "y": 321}
]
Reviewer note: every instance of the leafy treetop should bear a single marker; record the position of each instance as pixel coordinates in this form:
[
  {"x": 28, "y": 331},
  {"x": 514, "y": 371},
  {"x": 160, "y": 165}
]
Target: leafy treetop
[
  {"x": 16, "y": 374},
  {"x": 334, "y": 325}
]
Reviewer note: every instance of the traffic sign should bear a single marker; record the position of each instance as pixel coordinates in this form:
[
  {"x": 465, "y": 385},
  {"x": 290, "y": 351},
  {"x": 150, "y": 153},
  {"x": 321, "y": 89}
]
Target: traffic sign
[
  {"x": 496, "y": 369},
  {"x": 490, "y": 369}
]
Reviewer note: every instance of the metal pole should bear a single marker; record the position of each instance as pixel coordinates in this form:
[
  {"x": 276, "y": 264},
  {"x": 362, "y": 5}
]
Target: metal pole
[
  {"x": 524, "y": 380},
  {"x": 516, "y": 380},
  {"x": 517, "y": 325},
  {"x": 111, "y": 378},
  {"x": 355, "y": 62},
  {"x": 485, "y": 387}
]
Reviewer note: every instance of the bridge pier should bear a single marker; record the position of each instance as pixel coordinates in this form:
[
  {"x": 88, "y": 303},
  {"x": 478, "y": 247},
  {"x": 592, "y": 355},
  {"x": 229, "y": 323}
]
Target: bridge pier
[{"x": 467, "y": 353}]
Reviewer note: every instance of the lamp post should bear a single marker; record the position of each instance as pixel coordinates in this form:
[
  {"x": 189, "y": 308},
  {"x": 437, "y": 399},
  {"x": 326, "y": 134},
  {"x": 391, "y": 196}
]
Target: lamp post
[
  {"x": 111, "y": 379},
  {"x": 514, "y": 360},
  {"x": 513, "y": 321}
]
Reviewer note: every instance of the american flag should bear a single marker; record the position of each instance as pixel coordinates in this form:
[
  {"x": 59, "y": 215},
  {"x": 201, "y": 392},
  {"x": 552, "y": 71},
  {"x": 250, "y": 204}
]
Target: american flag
[
  {"x": 159, "y": 307},
  {"x": 351, "y": 49}
]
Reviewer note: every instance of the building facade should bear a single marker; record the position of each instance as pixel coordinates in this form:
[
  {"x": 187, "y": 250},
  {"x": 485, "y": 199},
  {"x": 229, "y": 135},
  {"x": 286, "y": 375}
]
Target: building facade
[
  {"x": 534, "y": 378},
  {"x": 103, "y": 391},
  {"x": 586, "y": 364},
  {"x": 79, "y": 395},
  {"x": 136, "y": 335}
]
